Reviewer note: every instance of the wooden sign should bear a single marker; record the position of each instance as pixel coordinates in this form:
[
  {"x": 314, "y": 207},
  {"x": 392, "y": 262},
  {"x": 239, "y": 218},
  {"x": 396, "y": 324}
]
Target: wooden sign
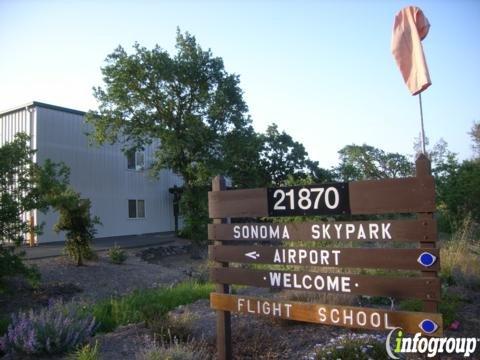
[
  {"x": 390, "y": 230},
  {"x": 404, "y": 259},
  {"x": 401, "y": 287},
  {"x": 261, "y": 243},
  {"x": 328, "y": 199},
  {"x": 336, "y": 315},
  {"x": 408, "y": 195}
]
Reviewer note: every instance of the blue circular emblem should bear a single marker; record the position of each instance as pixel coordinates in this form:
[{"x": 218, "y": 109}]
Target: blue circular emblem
[
  {"x": 426, "y": 259},
  {"x": 428, "y": 326}
]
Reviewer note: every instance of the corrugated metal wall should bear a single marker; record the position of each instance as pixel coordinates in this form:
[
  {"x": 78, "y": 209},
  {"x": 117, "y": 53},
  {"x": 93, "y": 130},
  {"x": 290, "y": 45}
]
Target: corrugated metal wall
[
  {"x": 101, "y": 174},
  {"x": 11, "y": 123}
]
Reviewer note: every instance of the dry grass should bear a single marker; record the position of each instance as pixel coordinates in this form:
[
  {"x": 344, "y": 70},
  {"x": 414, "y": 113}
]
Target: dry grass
[
  {"x": 172, "y": 349},
  {"x": 460, "y": 257},
  {"x": 174, "y": 325}
]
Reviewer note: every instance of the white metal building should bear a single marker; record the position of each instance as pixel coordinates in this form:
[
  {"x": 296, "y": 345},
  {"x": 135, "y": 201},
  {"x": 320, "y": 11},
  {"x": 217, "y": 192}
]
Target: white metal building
[{"x": 124, "y": 196}]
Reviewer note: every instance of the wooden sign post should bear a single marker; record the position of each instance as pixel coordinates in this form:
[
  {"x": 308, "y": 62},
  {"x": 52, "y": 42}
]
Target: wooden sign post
[
  {"x": 261, "y": 243},
  {"x": 224, "y": 332}
]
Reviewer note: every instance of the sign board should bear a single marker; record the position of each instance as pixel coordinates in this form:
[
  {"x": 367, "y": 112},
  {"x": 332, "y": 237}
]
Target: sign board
[
  {"x": 401, "y": 287},
  {"x": 347, "y": 316},
  {"x": 388, "y": 196},
  {"x": 388, "y": 230},
  {"x": 308, "y": 267},
  {"x": 403, "y": 259},
  {"x": 325, "y": 199}
]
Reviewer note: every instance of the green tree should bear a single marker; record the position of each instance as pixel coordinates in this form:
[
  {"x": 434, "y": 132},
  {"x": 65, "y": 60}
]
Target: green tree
[
  {"x": 440, "y": 156},
  {"x": 24, "y": 186},
  {"x": 367, "y": 162},
  {"x": 75, "y": 219},
  {"x": 243, "y": 164},
  {"x": 282, "y": 157},
  {"x": 458, "y": 194},
  {"x": 457, "y": 186},
  {"x": 187, "y": 100},
  {"x": 475, "y": 134}
]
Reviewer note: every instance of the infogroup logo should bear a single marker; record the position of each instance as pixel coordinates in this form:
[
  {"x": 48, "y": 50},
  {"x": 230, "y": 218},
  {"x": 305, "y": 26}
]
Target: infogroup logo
[{"x": 428, "y": 345}]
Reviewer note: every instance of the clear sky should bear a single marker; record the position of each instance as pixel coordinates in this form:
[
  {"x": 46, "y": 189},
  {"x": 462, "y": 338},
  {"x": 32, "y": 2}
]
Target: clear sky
[{"x": 321, "y": 70}]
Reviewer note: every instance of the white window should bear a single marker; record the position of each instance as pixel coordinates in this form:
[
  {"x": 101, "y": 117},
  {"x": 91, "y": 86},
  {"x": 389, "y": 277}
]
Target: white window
[
  {"x": 136, "y": 209},
  {"x": 135, "y": 160}
]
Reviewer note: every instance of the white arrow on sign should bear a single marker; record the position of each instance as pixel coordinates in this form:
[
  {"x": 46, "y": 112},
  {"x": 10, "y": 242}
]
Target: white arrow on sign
[{"x": 253, "y": 254}]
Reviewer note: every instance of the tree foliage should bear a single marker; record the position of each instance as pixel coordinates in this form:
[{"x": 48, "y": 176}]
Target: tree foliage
[
  {"x": 188, "y": 101},
  {"x": 75, "y": 219},
  {"x": 27, "y": 186},
  {"x": 367, "y": 162},
  {"x": 195, "y": 108},
  {"x": 439, "y": 155},
  {"x": 282, "y": 157},
  {"x": 242, "y": 153},
  {"x": 458, "y": 193},
  {"x": 475, "y": 135},
  {"x": 24, "y": 186},
  {"x": 456, "y": 186},
  {"x": 18, "y": 195}
]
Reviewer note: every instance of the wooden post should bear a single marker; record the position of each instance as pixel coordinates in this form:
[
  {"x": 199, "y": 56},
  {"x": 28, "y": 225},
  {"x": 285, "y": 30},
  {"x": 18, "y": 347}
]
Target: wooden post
[
  {"x": 423, "y": 169},
  {"x": 224, "y": 335}
]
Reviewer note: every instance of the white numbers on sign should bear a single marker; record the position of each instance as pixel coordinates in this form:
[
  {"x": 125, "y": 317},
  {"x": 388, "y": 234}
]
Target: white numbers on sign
[
  {"x": 277, "y": 205},
  {"x": 336, "y": 196},
  {"x": 319, "y": 192},
  {"x": 303, "y": 198},
  {"x": 291, "y": 197},
  {"x": 304, "y": 201}
]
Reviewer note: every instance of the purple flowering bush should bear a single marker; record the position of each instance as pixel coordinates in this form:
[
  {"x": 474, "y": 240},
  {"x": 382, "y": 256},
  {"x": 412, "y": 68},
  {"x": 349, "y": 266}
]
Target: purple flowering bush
[{"x": 55, "y": 329}]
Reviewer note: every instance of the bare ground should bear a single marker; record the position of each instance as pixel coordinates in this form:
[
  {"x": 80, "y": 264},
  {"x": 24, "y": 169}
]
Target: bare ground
[{"x": 102, "y": 279}]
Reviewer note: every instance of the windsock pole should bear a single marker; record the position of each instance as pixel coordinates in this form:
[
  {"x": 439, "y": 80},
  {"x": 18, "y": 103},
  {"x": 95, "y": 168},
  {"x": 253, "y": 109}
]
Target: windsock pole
[{"x": 421, "y": 122}]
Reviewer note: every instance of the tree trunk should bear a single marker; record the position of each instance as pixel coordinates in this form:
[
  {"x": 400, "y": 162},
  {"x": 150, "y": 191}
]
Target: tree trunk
[{"x": 79, "y": 257}]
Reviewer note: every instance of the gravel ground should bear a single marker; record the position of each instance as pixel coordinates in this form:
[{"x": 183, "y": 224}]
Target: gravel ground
[
  {"x": 144, "y": 268},
  {"x": 102, "y": 279}
]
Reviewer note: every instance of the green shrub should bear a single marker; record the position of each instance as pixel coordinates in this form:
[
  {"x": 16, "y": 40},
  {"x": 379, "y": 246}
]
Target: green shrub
[
  {"x": 75, "y": 219},
  {"x": 55, "y": 329},
  {"x": 449, "y": 307},
  {"x": 411, "y": 305},
  {"x": 144, "y": 305},
  {"x": 87, "y": 352},
  {"x": 117, "y": 255}
]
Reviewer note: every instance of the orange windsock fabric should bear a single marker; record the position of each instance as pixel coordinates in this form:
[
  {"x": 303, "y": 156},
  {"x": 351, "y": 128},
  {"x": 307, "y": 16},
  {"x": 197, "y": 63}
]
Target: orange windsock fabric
[{"x": 409, "y": 29}]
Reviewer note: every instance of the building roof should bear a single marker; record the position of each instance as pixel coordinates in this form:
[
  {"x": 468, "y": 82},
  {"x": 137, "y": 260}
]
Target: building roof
[{"x": 43, "y": 105}]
